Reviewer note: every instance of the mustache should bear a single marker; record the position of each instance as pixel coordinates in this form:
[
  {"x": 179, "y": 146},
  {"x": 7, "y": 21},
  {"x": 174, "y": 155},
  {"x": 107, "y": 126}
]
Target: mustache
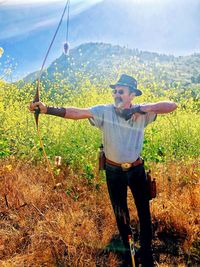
[{"x": 118, "y": 102}]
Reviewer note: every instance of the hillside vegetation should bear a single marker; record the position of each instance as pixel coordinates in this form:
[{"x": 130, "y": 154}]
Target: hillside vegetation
[{"x": 98, "y": 60}]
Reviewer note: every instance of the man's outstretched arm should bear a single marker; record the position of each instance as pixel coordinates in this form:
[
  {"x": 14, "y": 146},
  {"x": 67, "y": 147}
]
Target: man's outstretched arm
[
  {"x": 78, "y": 113},
  {"x": 159, "y": 107},
  {"x": 68, "y": 113}
]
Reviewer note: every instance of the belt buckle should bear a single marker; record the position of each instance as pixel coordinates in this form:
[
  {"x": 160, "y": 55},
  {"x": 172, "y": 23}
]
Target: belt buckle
[{"x": 125, "y": 166}]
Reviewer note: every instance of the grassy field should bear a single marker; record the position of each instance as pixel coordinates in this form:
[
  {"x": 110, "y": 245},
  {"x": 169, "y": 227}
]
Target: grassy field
[{"x": 73, "y": 225}]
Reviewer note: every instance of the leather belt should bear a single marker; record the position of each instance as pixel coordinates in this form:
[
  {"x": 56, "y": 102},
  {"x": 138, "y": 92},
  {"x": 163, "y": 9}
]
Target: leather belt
[{"x": 125, "y": 165}]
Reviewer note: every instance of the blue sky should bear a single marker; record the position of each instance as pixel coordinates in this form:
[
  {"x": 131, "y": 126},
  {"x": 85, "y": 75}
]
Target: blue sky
[
  {"x": 17, "y": 19},
  {"x": 163, "y": 26}
]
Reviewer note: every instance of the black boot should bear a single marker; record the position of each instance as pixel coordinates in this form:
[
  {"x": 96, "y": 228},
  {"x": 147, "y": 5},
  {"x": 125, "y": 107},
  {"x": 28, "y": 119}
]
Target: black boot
[{"x": 146, "y": 258}]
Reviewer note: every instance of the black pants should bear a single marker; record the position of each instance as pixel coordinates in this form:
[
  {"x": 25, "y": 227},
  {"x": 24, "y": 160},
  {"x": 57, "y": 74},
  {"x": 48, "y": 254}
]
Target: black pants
[{"x": 118, "y": 182}]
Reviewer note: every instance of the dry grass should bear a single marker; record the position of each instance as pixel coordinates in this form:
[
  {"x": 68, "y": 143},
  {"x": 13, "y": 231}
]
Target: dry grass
[{"x": 71, "y": 225}]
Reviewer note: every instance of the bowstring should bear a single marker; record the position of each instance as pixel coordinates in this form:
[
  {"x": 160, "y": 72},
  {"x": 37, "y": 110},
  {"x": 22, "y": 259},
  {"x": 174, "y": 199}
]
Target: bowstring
[
  {"x": 67, "y": 33},
  {"x": 52, "y": 41}
]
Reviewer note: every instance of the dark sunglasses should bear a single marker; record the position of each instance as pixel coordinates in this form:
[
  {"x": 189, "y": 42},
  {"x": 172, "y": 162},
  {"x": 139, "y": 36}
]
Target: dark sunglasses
[{"x": 120, "y": 92}]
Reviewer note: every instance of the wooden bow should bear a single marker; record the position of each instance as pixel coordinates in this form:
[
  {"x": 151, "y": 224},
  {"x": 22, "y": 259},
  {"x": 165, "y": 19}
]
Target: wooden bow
[{"x": 37, "y": 94}]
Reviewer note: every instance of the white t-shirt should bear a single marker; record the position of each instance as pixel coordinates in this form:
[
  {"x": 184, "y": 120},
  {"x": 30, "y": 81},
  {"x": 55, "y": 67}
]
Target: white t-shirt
[{"x": 122, "y": 140}]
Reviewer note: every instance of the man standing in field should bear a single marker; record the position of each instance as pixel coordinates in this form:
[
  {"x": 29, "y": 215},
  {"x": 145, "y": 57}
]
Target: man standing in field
[{"x": 122, "y": 125}]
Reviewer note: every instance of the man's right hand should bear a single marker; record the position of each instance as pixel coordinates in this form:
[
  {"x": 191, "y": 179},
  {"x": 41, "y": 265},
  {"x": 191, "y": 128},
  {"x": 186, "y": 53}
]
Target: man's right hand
[
  {"x": 35, "y": 105},
  {"x": 128, "y": 113}
]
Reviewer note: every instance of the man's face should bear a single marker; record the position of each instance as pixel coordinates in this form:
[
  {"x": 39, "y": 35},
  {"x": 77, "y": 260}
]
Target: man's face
[{"x": 122, "y": 96}]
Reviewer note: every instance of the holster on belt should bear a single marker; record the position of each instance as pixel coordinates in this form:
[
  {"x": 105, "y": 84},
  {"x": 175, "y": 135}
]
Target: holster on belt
[
  {"x": 102, "y": 158},
  {"x": 151, "y": 186}
]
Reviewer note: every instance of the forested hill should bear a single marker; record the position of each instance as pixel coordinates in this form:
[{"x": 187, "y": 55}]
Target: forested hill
[{"x": 100, "y": 60}]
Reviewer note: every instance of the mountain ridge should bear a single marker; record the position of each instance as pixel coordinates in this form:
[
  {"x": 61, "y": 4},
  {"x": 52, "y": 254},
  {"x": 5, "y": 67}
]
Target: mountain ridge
[{"x": 97, "y": 60}]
